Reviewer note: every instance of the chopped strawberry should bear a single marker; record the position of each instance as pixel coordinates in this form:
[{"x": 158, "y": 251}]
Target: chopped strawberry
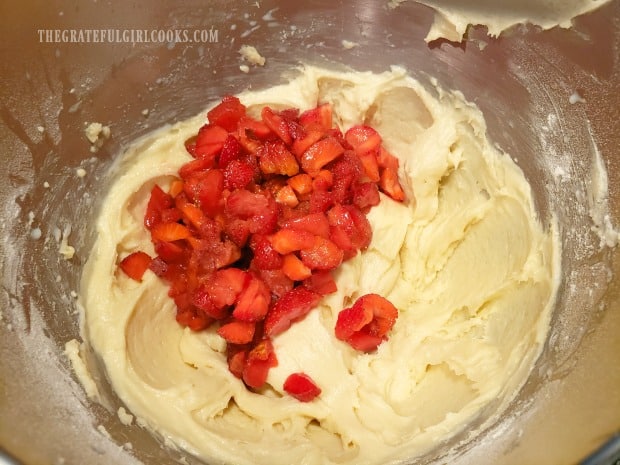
[
  {"x": 322, "y": 282},
  {"x": 236, "y": 360},
  {"x": 190, "y": 213},
  {"x": 227, "y": 113},
  {"x": 258, "y": 361},
  {"x": 301, "y": 387},
  {"x": 277, "y": 282},
  {"x": 237, "y": 230},
  {"x": 320, "y": 154},
  {"x": 303, "y": 143},
  {"x": 363, "y": 139},
  {"x": 159, "y": 266},
  {"x": 387, "y": 160},
  {"x": 321, "y": 201},
  {"x": 170, "y": 252},
  {"x": 198, "y": 165},
  {"x": 251, "y": 133},
  {"x": 294, "y": 268},
  {"x": 210, "y": 141},
  {"x": 353, "y": 223},
  {"x": 238, "y": 174},
  {"x": 315, "y": 223},
  {"x": 323, "y": 180},
  {"x": 225, "y": 285},
  {"x": 277, "y": 124},
  {"x": 169, "y": 232},
  {"x": 237, "y": 332},
  {"x": 194, "y": 319},
  {"x": 323, "y": 255},
  {"x": 366, "y": 324},
  {"x": 202, "y": 300},
  {"x": 158, "y": 201},
  {"x": 253, "y": 301},
  {"x": 231, "y": 150},
  {"x": 301, "y": 183},
  {"x": 245, "y": 204},
  {"x": 210, "y": 192},
  {"x": 365, "y": 195},
  {"x": 275, "y": 158},
  {"x": 370, "y": 164},
  {"x": 265, "y": 256},
  {"x": 286, "y": 196},
  {"x": 321, "y": 115},
  {"x": 135, "y": 265},
  {"x": 390, "y": 184},
  {"x": 285, "y": 241},
  {"x": 176, "y": 187},
  {"x": 289, "y": 308}
]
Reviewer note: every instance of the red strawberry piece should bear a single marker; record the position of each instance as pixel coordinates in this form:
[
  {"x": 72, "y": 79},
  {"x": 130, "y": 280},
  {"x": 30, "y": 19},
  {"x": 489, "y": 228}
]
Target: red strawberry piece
[
  {"x": 321, "y": 115},
  {"x": 202, "y": 300},
  {"x": 301, "y": 387},
  {"x": 237, "y": 230},
  {"x": 135, "y": 265},
  {"x": 224, "y": 286},
  {"x": 323, "y": 180},
  {"x": 363, "y": 139},
  {"x": 176, "y": 187},
  {"x": 387, "y": 160},
  {"x": 210, "y": 141},
  {"x": 320, "y": 154},
  {"x": 364, "y": 341},
  {"x": 190, "y": 213},
  {"x": 257, "y": 364},
  {"x": 238, "y": 174},
  {"x": 170, "y": 251},
  {"x": 253, "y": 301},
  {"x": 294, "y": 268},
  {"x": 286, "y": 196},
  {"x": 323, "y": 255},
  {"x": 265, "y": 221},
  {"x": 274, "y": 158},
  {"x": 251, "y": 133},
  {"x": 315, "y": 223},
  {"x": 265, "y": 256},
  {"x": 169, "y": 232},
  {"x": 198, "y": 165},
  {"x": 210, "y": 193},
  {"x": 158, "y": 201},
  {"x": 349, "y": 219},
  {"x": 277, "y": 124},
  {"x": 352, "y": 319},
  {"x": 370, "y": 164},
  {"x": 390, "y": 184},
  {"x": 365, "y": 195},
  {"x": 291, "y": 307},
  {"x": 322, "y": 282},
  {"x": 290, "y": 114},
  {"x": 245, "y": 204},
  {"x": 227, "y": 113},
  {"x": 321, "y": 201},
  {"x": 171, "y": 215},
  {"x": 303, "y": 142},
  {"x": 236, "y": 360},
  {"x": 366, "y": 324},
  {"x": 301, "y": 183},
  {"x": 194, "y": 319},
  {"x": 237, "y": 332},
  {"x": 277, "y": 282},
  {"x": 159, "y": 266},
  {"x": 231, "y": 150},
  {"x": 285, "y": 240}
]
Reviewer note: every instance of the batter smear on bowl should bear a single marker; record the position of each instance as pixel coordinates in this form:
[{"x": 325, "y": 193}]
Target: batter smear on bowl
[{"x": 341, "y": 269}]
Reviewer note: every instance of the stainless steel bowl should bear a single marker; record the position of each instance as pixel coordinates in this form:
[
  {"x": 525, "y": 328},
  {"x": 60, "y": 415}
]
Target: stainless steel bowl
[{"x": 523, "y": 83}]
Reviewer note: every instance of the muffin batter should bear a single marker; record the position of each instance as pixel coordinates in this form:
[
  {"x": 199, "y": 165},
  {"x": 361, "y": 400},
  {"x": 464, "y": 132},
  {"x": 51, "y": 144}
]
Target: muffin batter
[{"x": 466, "y": 261}]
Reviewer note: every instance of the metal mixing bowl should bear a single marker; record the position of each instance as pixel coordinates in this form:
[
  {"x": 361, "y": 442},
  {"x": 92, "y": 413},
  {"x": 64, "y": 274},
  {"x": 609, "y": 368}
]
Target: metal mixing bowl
[{"x": 525, "y": 83}]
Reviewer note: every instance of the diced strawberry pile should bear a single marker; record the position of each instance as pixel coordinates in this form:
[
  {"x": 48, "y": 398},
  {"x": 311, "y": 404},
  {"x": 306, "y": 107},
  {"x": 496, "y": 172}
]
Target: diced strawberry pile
[{"x": 248, "y": 234}]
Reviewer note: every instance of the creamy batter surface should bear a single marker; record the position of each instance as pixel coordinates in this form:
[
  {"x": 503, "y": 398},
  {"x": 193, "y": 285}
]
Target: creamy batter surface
[{"x": 467, "y": 262}]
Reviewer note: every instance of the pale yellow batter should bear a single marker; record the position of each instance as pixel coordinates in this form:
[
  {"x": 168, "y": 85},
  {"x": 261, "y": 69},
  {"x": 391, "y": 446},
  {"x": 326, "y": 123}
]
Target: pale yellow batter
[{"x": 469, "y": 265}]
